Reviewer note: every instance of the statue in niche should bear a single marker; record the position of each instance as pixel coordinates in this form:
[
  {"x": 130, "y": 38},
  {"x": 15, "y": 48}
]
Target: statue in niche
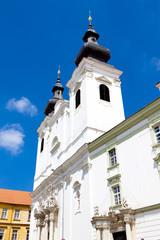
[{"x": 77, "y": 203}]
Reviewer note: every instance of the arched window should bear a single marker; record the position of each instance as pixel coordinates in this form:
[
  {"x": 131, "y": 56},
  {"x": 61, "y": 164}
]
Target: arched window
[
  {"x": 42, "y": 145},
  {"x": 104, "y": 93},
  {"x": 78, "y": 98}
]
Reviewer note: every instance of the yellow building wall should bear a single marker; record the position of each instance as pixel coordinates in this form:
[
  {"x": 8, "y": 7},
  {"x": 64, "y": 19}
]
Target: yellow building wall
[{"x": 9, "y": 224}]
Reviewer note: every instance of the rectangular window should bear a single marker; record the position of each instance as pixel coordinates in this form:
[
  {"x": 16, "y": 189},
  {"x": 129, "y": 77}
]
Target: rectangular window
[
  {"x": 4, "y": 213},
  {"x": 16, "y": 214},
  {"x": 27, "y": 236},
  {"x": 14, "y": 234},
  {"x": 117, "y": 195},
  {"x": 1, "y": 234},
  {"x": 112, "y": 157},
  {"x": 157, "y": 133},
  {"x": 29, "y": 215}
]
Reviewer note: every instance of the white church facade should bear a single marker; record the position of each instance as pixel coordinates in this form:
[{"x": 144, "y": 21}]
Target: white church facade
[{"x": 97, "y": 173}]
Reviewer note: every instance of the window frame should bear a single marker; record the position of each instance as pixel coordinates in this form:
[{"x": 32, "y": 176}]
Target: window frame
[
  {"x": 17, "y": 213},
  {"x": 117, "y": 196},
  {"x": 42, "y": 145},
  {"x": 14, "y": 231},
  {"x": 2, "y": 231},
  {"x": 112, "y": 158},
  {"x": 77, "y": 98},
  {"x": 104, "y": 93},
  {"x": 5, "y": 213},
  {"x": 27, "y": 235},
  {"x": 29, "y": 215},
  {"x": 157, "y": 138}
]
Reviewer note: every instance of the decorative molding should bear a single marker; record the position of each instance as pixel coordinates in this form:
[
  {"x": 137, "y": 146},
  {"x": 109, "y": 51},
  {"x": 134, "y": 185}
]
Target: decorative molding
[
  {"x": 68, "y": 179},
  {"x": 104, "y": 79},
  {"x": 117, "y": 82},
  {"x": 86, "y": 166},
  {"x": 114, "y": 179}
]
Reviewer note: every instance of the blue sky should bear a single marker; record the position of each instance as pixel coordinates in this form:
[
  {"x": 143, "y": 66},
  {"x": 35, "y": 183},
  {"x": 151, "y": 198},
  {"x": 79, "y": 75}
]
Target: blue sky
[{"x": 36, "y": 36}]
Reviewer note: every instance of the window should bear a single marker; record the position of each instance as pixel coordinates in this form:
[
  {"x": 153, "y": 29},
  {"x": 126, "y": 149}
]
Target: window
[
  {"x": 117, "y": 195},
  {"x": 16, "y": 214},
  {"x": 1, "y": 234},
  {"x": 4, "y": 213},
  {"x": 78, "y": 98},
  {"x": 112, "y": 157},
  {"x": 42, "y": 145},
  {"x": 104, "y": 93},
  {"x": 14, "y": 234},
  {"x": 29, "y": 215},
  {"x": 27, "y": 236},
  {"x": 157, "y": 133}
]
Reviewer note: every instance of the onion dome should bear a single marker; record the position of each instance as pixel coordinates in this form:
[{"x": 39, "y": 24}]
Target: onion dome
[
  {"x": 91, "y": 49},
  {"x": 57, "y": 95}
]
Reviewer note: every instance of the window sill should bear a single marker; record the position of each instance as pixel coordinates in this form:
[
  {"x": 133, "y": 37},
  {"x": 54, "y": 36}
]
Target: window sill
[
  {"x": 114, "y": 166},
  {"x": 106, "y": 103},
  {"x": 4, "y": 218},
  {"x": 117, "y": 206},
  {"x": 18, "y": 220}
]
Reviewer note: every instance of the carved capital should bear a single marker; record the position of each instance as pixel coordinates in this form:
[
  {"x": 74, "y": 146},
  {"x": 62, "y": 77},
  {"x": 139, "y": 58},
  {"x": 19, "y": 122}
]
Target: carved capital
[
  {"x": 99, "y": 226},
  {"x": 128, "y": 220},
  {"x": 86, "y": 166}
]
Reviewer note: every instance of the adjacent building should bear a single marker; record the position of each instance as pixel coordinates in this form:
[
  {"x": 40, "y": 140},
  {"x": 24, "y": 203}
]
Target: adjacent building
[
  {"x": 97, "y": 173},
  {"x": 15, "y": 213}
]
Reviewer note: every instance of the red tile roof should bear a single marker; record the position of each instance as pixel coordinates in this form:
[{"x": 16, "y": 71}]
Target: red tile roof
[{"x": 15, "y": 197}]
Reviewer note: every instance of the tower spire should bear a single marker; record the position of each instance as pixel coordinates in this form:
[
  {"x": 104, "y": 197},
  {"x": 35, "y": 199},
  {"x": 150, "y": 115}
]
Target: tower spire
[
  {"x": 91, "y": 48},
  {"x": 57, "y": 95},
  {"x": 90, "y": 18},
  {"x": 59, "y": 71}
]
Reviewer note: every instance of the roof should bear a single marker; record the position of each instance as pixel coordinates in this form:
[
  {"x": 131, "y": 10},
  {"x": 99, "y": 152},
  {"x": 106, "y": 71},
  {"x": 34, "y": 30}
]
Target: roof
[
  {"x": 125, "y": 125},
  {"x": 15, "y": 197}
]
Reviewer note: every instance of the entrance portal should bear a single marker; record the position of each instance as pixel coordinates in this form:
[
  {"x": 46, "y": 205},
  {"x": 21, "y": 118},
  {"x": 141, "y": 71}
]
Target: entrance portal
[{"x": 119, "y": 236}]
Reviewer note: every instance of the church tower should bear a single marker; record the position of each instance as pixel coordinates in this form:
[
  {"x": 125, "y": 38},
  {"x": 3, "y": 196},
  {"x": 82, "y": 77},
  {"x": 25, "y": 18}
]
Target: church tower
[
  {"x": 62, "y": 196},
  {"x": 95, "y": 92}
]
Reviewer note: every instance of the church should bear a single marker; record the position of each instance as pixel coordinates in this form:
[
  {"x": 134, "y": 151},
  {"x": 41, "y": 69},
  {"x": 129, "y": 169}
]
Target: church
[{"x": 97, "y": 174}]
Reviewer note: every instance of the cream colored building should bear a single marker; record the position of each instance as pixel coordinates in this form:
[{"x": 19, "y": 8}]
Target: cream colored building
[{"x": 97, "y": 173}]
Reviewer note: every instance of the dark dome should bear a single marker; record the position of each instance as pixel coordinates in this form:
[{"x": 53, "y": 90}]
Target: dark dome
[
  {"x": 57, "y": 91},
  {"x": 91, "y": 49}
]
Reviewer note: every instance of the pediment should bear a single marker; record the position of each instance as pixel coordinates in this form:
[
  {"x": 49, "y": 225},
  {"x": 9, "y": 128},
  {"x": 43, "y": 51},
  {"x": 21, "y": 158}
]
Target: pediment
[{"x": 104, "y": 79}]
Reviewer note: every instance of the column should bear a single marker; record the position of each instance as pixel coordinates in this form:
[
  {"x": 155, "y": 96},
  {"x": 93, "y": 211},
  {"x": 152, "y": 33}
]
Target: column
[
  {"x": 128, "y": 228},
  {"x": 98, "y": 230},
  {"x": 38, "y": 229},
  {"x": 106, "y": 233},
  {"x": 51, "y": 226},
  {"x": 46, "y": 226}
]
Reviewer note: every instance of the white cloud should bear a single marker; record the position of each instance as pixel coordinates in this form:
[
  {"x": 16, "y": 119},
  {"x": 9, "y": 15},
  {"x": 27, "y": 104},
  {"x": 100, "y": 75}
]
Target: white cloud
[
  {"x": 156, "y": 62},
  {"x": 22, "y": 106},
  {"x": 11, "y": 138}
]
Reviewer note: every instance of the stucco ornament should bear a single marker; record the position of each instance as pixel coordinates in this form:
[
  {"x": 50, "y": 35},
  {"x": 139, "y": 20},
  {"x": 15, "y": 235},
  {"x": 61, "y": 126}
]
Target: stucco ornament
[
  {"x": 113, "y": 215},
  {"x": 96, "y": 211},
  {"x": 53, "y": 202},
  {"x": 124, "y": 203}
]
